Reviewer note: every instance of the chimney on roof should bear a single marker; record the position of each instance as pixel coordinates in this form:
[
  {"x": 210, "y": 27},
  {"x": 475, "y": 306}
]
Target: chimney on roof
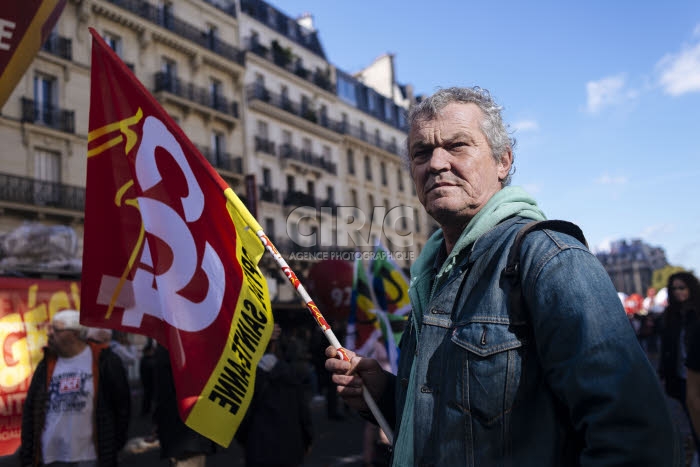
[{"x": 306, "y": 20}]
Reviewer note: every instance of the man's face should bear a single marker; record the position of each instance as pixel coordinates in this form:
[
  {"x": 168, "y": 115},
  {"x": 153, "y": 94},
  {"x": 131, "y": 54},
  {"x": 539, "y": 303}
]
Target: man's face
[
  {"x": 60, "y": 339},
  {"x": 453, "y": 166}
]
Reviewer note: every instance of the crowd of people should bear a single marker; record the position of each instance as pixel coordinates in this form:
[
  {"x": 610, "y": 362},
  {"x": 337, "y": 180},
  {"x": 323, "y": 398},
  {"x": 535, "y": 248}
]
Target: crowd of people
[{"x": 514, "y": 354}]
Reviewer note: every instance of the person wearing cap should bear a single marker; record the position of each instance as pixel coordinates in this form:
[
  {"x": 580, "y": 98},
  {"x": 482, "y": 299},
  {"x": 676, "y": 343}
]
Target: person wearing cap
[{"x": 77, "y": 409}]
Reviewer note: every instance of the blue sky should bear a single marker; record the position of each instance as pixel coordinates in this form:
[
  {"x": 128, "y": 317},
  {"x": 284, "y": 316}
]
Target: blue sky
[{"x": 603, "y": 97}]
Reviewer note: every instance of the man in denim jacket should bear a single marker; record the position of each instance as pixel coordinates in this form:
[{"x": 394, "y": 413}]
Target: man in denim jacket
[{"x": 560, "y": 381}]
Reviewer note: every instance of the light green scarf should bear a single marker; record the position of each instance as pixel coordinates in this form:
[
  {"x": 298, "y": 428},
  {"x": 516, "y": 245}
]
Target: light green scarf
[{"x": 508, "y": 202}]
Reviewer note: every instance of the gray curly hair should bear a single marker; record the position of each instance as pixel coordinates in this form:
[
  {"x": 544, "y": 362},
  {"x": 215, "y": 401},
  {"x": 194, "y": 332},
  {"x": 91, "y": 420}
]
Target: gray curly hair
[{"x": 492, "y": 124}]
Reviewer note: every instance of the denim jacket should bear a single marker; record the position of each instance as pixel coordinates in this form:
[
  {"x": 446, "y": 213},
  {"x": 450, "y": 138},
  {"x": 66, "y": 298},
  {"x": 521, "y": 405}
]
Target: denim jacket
[{"x": 563, "y": 384}]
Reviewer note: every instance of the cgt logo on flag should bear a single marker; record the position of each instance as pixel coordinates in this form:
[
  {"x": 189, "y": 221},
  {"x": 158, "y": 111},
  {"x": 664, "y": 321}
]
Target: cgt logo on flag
[
  {"x": 139, "y": 297},
  {"x": 170, "y": 251}
]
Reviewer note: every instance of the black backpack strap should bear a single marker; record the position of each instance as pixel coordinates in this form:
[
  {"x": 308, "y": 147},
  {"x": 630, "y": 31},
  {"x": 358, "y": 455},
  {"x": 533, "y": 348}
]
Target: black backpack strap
[{"x": 512, "y": 270}]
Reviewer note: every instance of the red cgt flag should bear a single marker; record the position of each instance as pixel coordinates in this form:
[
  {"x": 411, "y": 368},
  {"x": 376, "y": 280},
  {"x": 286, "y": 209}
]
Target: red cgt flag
[
  {"x": 170, "y": 251},
  {"x": 24, "y": 27}
]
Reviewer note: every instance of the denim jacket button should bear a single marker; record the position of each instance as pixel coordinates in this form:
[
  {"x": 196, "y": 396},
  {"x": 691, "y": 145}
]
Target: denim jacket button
[
  {"x": 404, "y": 382},
  {"x": 426, "y": 390}
]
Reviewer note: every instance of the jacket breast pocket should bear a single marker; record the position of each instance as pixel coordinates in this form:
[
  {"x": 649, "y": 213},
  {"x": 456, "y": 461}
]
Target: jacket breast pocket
[{"x": 489, "y": 361}]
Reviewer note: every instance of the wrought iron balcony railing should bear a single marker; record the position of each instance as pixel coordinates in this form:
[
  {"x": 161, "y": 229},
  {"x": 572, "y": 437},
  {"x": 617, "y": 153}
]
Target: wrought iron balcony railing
[
  {"x": 59, "y": 46},
  {"x": 27, "y": 190},
  {"x": 283, "y": 58},
  {"x": 167, "y": 20},
  {"x": 288, "y": 27},
  {"x": 197, "y": 94},
  {"x": 228, "y": 8},
  {"x": 265, "y": 145},
  {"x": 269, "y": 194},
  {"x": 48, "y": 115},
  {"x": 222, "y": 160},
  {"x": 288, "y": 151}
]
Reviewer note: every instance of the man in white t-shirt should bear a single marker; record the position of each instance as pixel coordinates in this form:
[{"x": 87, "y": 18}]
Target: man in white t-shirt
[{"x": 77, "y": 407}]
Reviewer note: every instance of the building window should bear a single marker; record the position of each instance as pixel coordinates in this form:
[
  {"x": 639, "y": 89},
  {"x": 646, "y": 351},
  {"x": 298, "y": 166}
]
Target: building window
[
  {"x": 114, "y": 42},
  {"x": 267, "y": 177},
  {"x": 368, "y": 169},
  {"x": 218, "y": 147},
  {"x": 372, "y": 102},
  {"x": 287, "y": 137},
  {"x": 169, "y": 67},
  {"x": 370, "y": 204},
  {"x": 382, "y": 171},
  {"x": 284, "y": 96},
  {"x": 215, "y": 92},
  {"x": 270, "y": 227},
  {"x": 47, "y": 175},
  {"x": 327, "y": 153},
  {"x": 306, "y": 147},
  {"x": 330, "y": 194},
  {"x": 45, "y": 98},
  {"x": 377, "y": 137},
  {"x": 389, "y": 113},
  {"x": 353, "y": 197},
  {"x": 404, "y": 223},
  {"x": 351, "y": 162},
  {"x": 416, "y": 215},
  {"x": 262, "y": 131},
  {"x": 399, "y": 179},
  {"x": 311, "y": 188},
  {"x": 166, "y": 14},
  {"x": 363, "y": 134},
  {"x": 323, "y": 116},
  {"x": 347, "y": 90},
  {"x": 290, "y": 184},
  {"x": 212, "y": 35}
]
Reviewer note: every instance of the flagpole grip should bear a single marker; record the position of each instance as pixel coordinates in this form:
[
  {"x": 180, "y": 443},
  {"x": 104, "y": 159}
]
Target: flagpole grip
[{"x": 315, "y": 312}]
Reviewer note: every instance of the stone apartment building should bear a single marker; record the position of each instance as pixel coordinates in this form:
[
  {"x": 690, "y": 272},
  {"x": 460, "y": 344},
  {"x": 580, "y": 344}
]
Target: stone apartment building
[{"x": 314, "y": 150}]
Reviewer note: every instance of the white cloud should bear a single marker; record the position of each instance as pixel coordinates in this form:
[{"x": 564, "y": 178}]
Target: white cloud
[
  {"x": 526, "y": 125},
  {"x": 680, "y": 72},
  {"x": 607, "y": 179},
  {"x": 605, "y": 92}
]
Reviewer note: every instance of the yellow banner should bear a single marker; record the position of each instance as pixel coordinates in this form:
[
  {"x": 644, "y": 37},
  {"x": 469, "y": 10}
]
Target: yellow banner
[{"x": 222, "y": 405}]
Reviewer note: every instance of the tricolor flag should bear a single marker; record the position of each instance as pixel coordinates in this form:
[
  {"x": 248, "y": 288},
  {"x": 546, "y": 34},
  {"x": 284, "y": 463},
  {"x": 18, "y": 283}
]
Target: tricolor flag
[
  {"x": 169, "y": 251},
  {"x": 24, "y": 27}
]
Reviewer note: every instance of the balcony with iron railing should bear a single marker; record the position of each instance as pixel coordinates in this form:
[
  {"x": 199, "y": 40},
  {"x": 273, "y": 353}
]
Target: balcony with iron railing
[
  {"x": 59, "y": 46},
  {"x": 194, "y": 93},
  {"x": 48, "y": 115},
  {"x": 284, "y": 58},
  {"x": 362, "y": 134},
  {"x": 299, "y": 198},
  {"x": 25, "y": 190},
  {"x": 181, "y": 28},
  {"x": 265, "y": 145},
  {"x": 288, "y": 27},
  {"x": 228, "y": 8},
  {"x": 288, "y": 151},
  {"x": 269, "y": 194},
  {"x": 222, "y": 160},
  {"x": 303, "y": 110}
]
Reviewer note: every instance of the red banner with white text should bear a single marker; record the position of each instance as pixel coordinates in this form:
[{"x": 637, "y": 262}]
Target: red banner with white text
[
  {"x": 26, "y": 307},
  {"x": 167, "y": 253}
]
